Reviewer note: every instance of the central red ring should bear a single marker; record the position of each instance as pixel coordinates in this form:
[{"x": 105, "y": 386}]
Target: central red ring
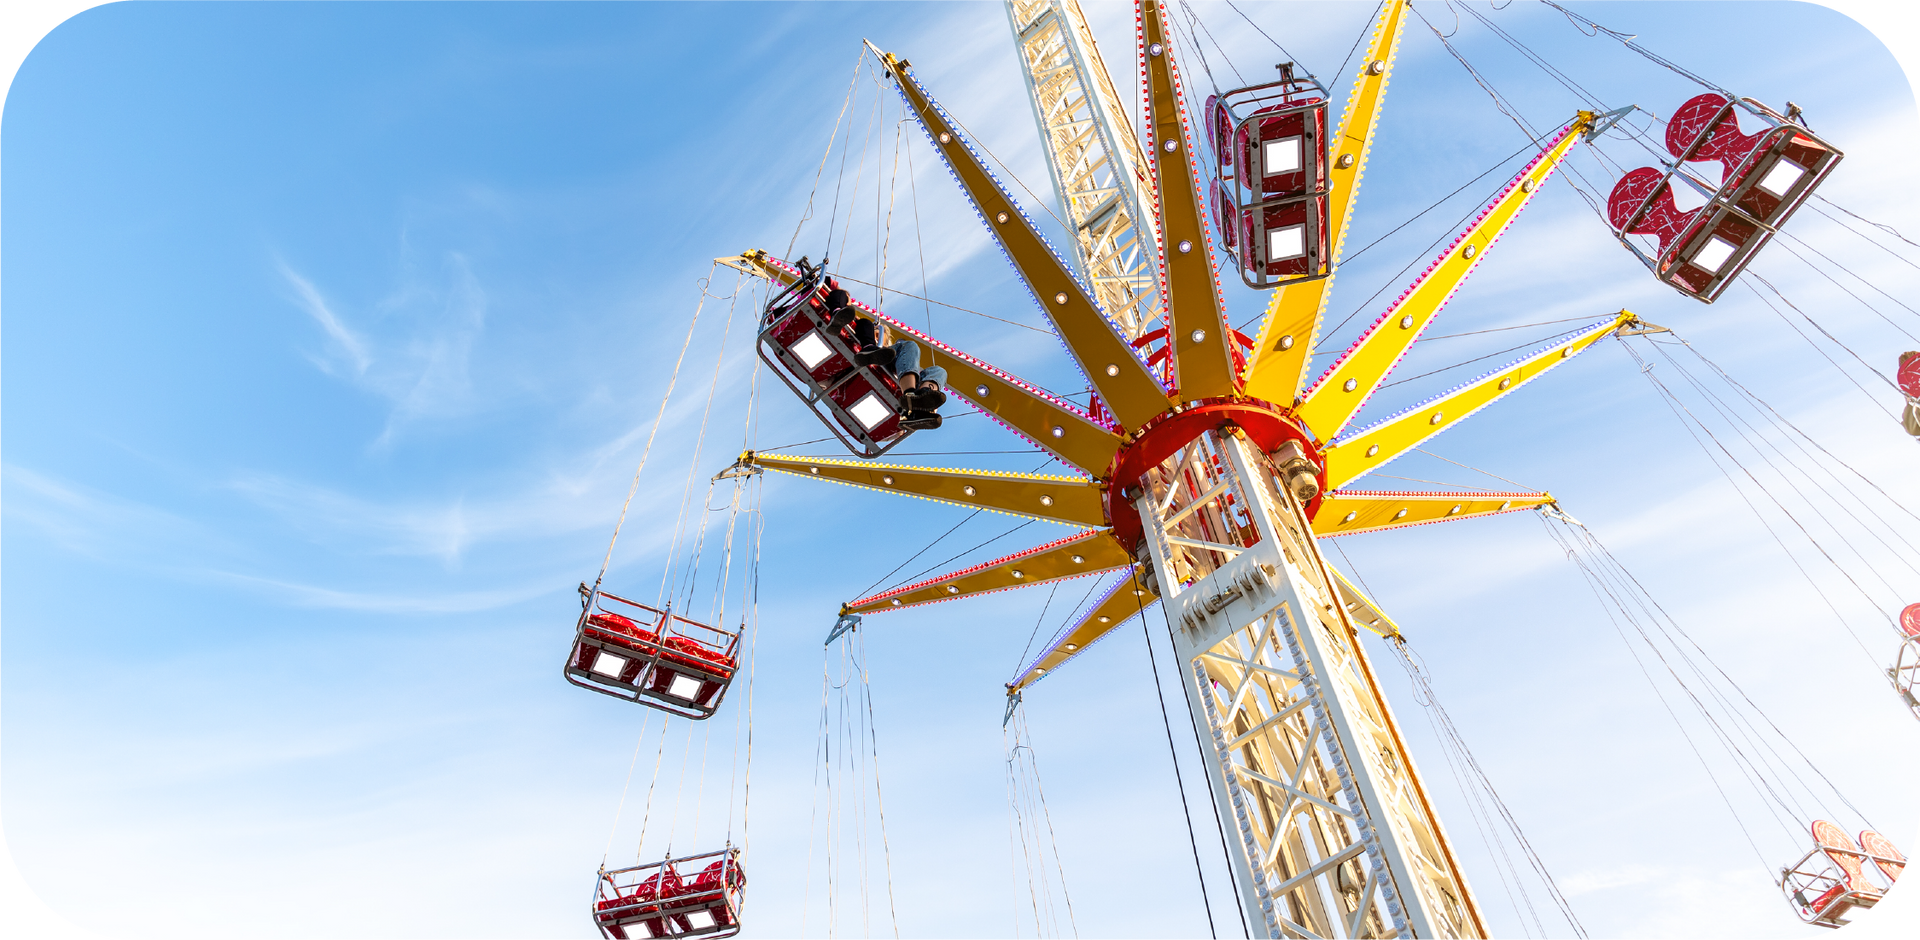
[{"x": 1267, "y": 426}]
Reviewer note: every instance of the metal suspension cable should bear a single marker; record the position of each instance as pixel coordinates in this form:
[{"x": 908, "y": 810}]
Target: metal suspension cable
[
  {"x": 1778, "y": 417},
  {"x": 1595, "y": 586},
  {"x": 1769, "y": 779},
  {"x": 879, "y": 798},
  {"x": 647, "y": 815},
  {"x": 1426, "y": 252},
  {"x": 1753, "y": 438},
  {"x": 1816, "y": 346},
  {"x": 693, "y": 466},
  {"x": 1628, "y": 41},
  {"x": 921, "y": 297},
  {"x": 672, "y": 379},
  {"x": 1470, "y": 770},
  {"x": 1882, "y": 226},
  {"x": 1276, "y": 43},
  {"x": 1194, "y": 41},
  {"x": 844, "y": 105},
  {"x": 1546, "y": 66},
  {"x": 1641, "y": 591},
  {"x": 1691, "y": 422},
  {"x": 859, "y": 169},
  {"x": 1066, "y": 626},
  {"x": 1365, "y": 30},
  {"x": 618, "y": 807},
  {"x": 1764, "y": 778},
  {"x": 1173, "y": 758},
  {"x": 1468, "y": 362},
  {"x": 1027, "y": 801},
  {"x": 1843, "y": 288},
  {"x": 1474, "y": 469},
  {"x": 1443, "y": 200},
  {"x": 1499, "y": 101}
]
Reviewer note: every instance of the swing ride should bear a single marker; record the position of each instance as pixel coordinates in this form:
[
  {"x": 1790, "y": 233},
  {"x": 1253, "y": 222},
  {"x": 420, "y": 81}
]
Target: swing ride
[{"x": 1208, "y": 467}]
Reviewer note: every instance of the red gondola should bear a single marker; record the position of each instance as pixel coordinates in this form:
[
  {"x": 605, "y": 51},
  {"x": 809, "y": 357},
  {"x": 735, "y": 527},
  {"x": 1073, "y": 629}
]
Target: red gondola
[
  {"x": 654, "y": 657},
  {"x": 1908, "y": 378},
  {"x": 1831, "y": 880},
  {"x": 861, "y": 405},
  {"x": 1905, "y": 672},
  {"x": 1270, "y": 202},
  {"x": 693, "y": 896},
  {"x": 1763, "y": 178}
]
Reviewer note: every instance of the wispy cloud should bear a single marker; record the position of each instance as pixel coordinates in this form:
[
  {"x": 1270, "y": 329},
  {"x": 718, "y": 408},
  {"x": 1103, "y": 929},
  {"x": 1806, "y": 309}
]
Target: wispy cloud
[
  {"x": 410, "y": 602},
  {"x": 90, "y": 523},
  {"x": 421, "y": 362},
  {"x": 348, "y": 343}
]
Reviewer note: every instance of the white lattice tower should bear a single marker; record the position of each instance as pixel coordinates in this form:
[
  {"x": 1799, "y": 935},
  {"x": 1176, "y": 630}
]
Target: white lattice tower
[
  {"x": 1092, "y": 153},
  {"x": 1330, "y": 830}
]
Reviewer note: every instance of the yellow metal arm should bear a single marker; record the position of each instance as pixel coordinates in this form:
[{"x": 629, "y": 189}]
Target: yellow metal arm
[
  {"x": 1345, "y": 512},
  {"x": 1292, "y": 325},
  {"x": 1071, "y": 500},
  {"x": 1361, "y": 608},
  {"x": 1373, "y": 447},
  {"x": 1045, "y": 420},
  {"x": 1076, "y": 555},
  {"x": 1196, "y": 331},
  {"x": 1110, "y": 364},
  {"x": 1125, "y": 599},
  {"x": 1351, "y": 380}
]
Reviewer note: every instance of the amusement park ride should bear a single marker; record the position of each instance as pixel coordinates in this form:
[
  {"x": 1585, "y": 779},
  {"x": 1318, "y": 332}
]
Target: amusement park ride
[{"x": 1209, "y": 465}]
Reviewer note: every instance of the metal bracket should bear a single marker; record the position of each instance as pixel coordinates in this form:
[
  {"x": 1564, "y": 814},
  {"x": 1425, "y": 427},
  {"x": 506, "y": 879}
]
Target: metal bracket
[
  {"x": 1554, "y": 510},
  {"x": 846, "y": 624},
  {"x": 1639, "y": 327},
  {"x": 1013, "y": 702},
  {"x": 1605, "y": 122},
  {"x": 744, "y": 467}
]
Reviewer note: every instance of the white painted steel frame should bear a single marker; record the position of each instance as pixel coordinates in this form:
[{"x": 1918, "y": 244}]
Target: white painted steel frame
[
  {"x": 1905, "y": 674},
  {"x": 1092, "y": 154},
  {"x": 1332, "y": 835}
]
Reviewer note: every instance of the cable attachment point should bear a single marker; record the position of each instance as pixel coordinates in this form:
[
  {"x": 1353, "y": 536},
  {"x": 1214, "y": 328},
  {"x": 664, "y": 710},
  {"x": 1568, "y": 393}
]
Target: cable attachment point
[
  {"x": 1554, "y": 511},
  {"x": 1639, "y": 327},
  {"x": 744, "y": 467},
  {"x": 1602, "y": 123},
  {"x": 1013, "y": 704},
  {"x": 846, "y": 624}
]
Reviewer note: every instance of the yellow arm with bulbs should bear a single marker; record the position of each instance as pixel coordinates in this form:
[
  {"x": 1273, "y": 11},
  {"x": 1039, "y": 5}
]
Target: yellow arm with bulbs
[
  {"x": 1278, "y": 363},
  {"x": 1351, "y": 380},
  {"x": 1372, "y": 448},
  {"x": 1104, "y": 356},
  {"x": 1196, "y": 331},
  {"x": 1071, "y": 500},
  {"x": 1076, "y": 555}
]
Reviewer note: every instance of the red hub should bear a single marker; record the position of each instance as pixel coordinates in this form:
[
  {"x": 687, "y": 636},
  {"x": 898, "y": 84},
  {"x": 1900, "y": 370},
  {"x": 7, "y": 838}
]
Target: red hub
[{"x": 1267, "y": 427}]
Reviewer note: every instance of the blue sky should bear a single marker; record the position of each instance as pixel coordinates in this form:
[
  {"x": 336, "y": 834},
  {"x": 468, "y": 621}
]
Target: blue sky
[{"x": 334, "y": 332}]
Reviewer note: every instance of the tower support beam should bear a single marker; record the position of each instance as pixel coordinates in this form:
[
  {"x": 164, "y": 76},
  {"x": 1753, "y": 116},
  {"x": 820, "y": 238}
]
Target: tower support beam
[{"x": 1330, "y": 830}]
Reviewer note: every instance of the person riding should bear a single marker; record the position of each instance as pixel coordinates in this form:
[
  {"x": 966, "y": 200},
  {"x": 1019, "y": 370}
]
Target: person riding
[{"x": 919, "y": 388}]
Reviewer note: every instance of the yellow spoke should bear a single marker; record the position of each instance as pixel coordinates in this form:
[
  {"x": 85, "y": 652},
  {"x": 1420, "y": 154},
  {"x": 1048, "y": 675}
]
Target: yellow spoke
[
  {"x": 1351, "y": 380},
  {"x": 1278, "y": 363},
  {"x": 1372, "y": 448},
  {"x": 1196, "y": 331},
  {"x": 1126, "y": 598},
  {"x": 1345, "y": 512},
  {"x": 1110, "y": 364},
  {"x": 1076, "y": 555},
  {"x": 1361, "y": 608},
  {"x": 1071, "y": 500}
]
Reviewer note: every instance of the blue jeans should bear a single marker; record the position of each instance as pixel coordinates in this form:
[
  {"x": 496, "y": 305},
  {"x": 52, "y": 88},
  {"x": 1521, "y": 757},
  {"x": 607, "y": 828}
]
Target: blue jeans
[{"x": 906, "y": 358}]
